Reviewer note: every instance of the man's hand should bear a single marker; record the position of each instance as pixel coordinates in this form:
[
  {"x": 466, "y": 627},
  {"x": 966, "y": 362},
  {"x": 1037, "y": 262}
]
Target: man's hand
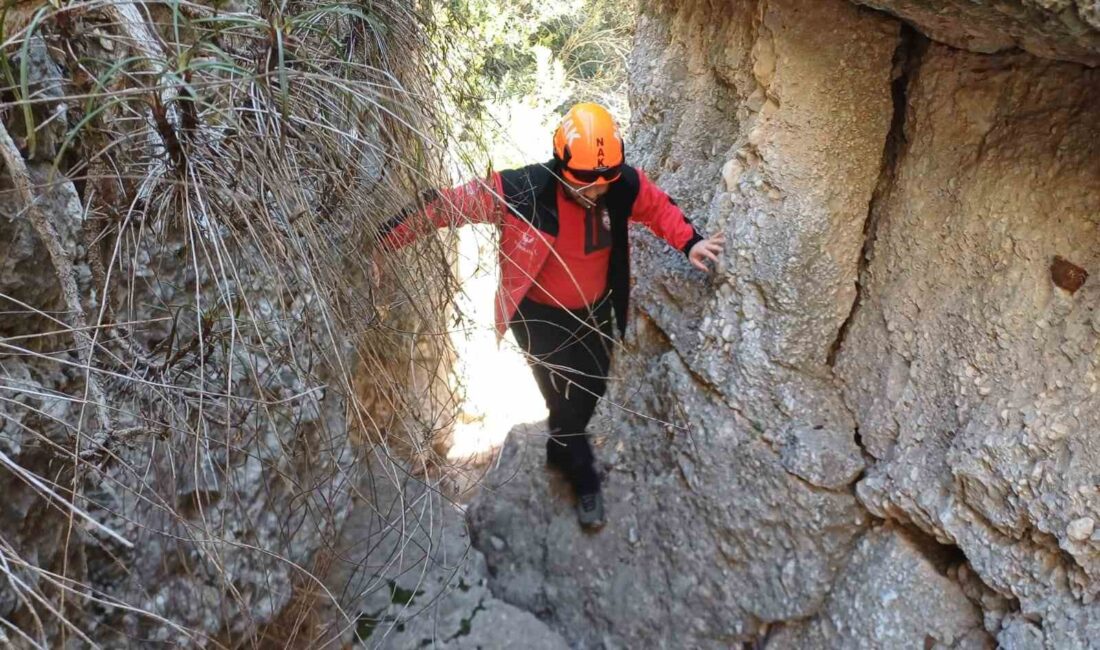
[
  {"x": 374, "y": 268},
  {"x": 707, "y": 249},
  {"x": 378, "y": 259}
]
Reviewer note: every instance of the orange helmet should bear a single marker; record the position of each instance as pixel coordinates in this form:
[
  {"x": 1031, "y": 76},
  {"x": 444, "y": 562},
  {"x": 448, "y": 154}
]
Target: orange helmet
[{"x": 589, "y": 146}]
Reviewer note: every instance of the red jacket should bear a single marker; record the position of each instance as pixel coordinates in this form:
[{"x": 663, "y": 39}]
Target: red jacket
[{"x": 523, "y": 203}]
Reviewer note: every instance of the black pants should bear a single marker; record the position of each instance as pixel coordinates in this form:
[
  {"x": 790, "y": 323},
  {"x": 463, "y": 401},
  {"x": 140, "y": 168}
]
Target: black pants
[{"x": 569, "y": 352}]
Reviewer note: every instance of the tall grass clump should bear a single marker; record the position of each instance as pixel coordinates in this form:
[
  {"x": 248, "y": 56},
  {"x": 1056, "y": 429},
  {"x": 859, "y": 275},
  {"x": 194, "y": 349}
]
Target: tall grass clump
[{"x": 189, "y": 199}]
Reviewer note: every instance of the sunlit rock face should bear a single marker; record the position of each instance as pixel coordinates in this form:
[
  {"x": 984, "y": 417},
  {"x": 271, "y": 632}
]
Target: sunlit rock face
[
  {"x": 890, "y": 384},
  {"x": 972, "y": 373}
]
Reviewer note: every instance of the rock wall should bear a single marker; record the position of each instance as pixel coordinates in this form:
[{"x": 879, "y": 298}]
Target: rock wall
[
  {"x": 875, "y": 425},
  {"x": 183, "y": 289},
  {"x": 1056, "y": 29},
  {"x": 185, "y": 536},
  {"x": 971, "y": 372},
  {"x": 410, "y": 578}
]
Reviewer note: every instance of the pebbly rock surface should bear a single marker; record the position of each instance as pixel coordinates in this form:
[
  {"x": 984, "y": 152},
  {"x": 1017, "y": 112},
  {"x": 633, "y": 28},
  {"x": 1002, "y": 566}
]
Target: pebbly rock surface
[
  {"x": 163, "y": 490},
  {"x": 407, "y": 577},
  {"x": 972, "y": 372},
  {"x": 890, "y": 595},
  {"x": 670, "y": 567}
]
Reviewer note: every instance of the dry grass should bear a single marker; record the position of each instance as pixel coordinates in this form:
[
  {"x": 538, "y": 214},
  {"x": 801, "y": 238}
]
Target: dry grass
[{"x": 182, "y": 403}]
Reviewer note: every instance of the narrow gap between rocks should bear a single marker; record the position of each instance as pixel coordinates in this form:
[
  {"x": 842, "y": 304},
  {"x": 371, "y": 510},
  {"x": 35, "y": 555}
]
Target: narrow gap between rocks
[
  {"x": 911, "y": 46},
  {"x": 941, "y": 556}
]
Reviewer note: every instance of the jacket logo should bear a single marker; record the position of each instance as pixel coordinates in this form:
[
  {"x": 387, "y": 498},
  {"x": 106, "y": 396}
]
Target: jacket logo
[
  {"x": 526, "y": 240},
  {"x": 597, "y": 230}
]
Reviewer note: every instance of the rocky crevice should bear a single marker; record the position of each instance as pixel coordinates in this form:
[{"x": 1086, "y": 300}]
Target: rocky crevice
[
  {"x": 905, "y": 64},
  {"x": 934, "y": 365}
]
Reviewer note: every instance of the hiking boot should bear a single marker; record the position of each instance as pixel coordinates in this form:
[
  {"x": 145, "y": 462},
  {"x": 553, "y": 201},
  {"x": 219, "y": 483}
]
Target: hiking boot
[
  {"x": 586, "y": 485},
  {"x": 590, "y": 510}
]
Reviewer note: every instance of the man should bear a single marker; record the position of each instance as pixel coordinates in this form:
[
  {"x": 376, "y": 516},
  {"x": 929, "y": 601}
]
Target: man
[{"x": 565, "y": 270}]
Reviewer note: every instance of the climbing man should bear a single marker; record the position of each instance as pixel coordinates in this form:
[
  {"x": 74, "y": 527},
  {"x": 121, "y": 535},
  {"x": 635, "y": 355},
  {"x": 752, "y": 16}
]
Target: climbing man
[{"x": 565, "y": 270}]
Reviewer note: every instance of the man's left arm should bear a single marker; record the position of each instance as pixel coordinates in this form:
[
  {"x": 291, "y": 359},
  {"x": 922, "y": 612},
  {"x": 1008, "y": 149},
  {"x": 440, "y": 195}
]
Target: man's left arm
[{"x": 658, "y": 212}]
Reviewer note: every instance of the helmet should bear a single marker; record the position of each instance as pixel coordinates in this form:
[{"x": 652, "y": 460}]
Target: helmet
[{"x": 588, "y": 145}]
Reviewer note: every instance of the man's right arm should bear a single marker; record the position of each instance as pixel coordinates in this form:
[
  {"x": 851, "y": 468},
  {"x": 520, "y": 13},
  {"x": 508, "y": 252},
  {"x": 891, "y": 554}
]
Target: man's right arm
[{"x": 477, "y": 201}]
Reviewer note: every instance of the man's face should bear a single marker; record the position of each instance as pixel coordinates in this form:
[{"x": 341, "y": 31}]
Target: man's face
[{"x": 586, "y": 195}]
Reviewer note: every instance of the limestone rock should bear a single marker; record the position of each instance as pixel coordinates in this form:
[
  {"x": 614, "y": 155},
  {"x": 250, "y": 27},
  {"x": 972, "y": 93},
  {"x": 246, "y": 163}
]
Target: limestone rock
[
  {"x": 1056, "y": 29},
  {"x": 1020, "y": 634},
  {"x": 1080, "y": 530},
  {"x": 26, "y": 273},
  {"x": 411, "y": 579},
  {"x": 973, "y": 377},
  {"x": 820, "y": 457},
  {"x": 651, "y": 577},
  {"x": 890, "y": 596}
]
